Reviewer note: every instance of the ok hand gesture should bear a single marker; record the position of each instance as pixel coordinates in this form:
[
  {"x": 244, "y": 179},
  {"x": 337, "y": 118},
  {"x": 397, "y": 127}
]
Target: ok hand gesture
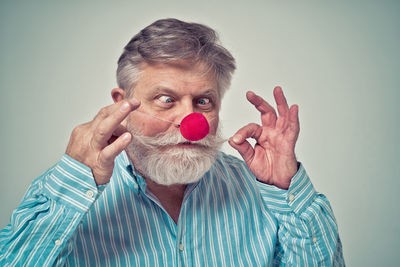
[{"x": 272, "y": 160}]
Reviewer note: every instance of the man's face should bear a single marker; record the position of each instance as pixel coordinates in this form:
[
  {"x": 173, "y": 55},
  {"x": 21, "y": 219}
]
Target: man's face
[{"x": 171, "y": 92}]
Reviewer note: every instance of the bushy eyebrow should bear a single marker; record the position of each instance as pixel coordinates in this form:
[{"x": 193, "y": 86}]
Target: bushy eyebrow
[
  {"x": 157, "y": 90},
  {"x": 209, "y": 92}
]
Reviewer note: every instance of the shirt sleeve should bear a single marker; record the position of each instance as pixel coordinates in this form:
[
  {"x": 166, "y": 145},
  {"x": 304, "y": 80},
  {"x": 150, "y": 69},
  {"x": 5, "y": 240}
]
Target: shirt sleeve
[
  {"x": 48, "y": 215},
  {"x": 307, "y": 229}
]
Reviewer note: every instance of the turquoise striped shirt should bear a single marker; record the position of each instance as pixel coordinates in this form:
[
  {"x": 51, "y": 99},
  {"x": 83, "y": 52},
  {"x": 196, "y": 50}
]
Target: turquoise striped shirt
[{"x": 228, "y": 218}]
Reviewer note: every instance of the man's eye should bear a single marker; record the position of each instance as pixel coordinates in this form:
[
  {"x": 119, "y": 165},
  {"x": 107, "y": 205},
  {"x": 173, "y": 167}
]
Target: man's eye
[
  {"x": 166, "y": 99},
  {"x": 203, "y": 101}
]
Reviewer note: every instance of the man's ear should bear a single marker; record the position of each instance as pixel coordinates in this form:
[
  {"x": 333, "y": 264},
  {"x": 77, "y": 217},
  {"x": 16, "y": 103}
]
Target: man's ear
[{"x": 118, "y": 94}]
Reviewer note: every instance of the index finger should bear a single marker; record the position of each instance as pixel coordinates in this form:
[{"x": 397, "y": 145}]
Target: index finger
[
  {"x": 109, "y": 123},
  {"x": 268, "y": 114}
]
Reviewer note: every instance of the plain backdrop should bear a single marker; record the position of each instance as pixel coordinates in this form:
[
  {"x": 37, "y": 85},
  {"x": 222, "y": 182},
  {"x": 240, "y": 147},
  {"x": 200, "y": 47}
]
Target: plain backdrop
[{"x": 338, "y": 60}]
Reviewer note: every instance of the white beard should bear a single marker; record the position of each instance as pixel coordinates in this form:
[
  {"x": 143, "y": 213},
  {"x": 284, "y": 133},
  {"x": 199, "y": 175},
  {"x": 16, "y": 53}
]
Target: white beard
[{"x": 157, "y": 158}]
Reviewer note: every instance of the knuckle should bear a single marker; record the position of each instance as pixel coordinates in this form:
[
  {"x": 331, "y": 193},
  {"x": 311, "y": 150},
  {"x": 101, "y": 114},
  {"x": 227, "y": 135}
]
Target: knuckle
[
  {"x": 77, "y": 130},
  {"x": 101, "y": 131},
  {"x": 252, "y": 125},
  {"x": 82, "y": 131},
  {"x": 102, "y": 112}
]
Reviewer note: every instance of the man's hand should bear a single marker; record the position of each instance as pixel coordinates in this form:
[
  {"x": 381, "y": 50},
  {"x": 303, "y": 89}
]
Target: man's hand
[
  {"x": 97, "y": 143},
  {"x": 272, "y": 160}
]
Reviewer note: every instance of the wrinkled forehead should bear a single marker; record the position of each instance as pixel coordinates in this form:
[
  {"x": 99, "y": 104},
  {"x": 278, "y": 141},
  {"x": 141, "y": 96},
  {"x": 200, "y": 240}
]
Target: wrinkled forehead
[
  {"x": 180, "y": 68},
  {"x": 200, "y": 67}
]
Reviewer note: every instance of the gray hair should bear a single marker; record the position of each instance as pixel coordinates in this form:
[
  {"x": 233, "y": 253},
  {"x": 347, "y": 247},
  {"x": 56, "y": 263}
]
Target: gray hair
[{"x": 168, "y": 40}]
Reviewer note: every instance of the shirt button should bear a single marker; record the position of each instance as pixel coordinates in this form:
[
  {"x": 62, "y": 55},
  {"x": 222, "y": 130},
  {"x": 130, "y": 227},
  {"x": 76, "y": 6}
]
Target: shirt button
[
  {"x": 314, "y": 239},
  {"x": 89, "y": 193},
  {"x": 291, "y": 197},
  {"x": 57, "y": 242},
  {"x": 135, "y": 186},
  {"x": 181, "y": 247}
]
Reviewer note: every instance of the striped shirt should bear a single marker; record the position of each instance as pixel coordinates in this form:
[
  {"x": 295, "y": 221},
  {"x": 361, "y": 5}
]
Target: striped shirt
[{"x": 228, "y": 218}]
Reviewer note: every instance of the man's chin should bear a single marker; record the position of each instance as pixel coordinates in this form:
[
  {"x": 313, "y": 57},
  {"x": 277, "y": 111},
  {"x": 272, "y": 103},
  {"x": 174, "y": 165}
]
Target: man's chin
[
  {"x": 169, "y": 159},
  {"x": 176, "y": 165}
]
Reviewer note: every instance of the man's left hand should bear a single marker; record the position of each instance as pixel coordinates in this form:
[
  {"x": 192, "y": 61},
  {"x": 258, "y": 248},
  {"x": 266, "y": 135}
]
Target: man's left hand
[{"x": 272, "y": 160}]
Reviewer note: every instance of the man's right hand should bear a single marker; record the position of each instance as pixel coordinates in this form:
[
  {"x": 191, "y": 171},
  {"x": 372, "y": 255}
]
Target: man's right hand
[{"x": 97, "y": 143}]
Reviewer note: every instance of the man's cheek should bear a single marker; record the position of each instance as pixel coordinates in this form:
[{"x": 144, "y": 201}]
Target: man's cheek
[{"x": 214, "y": 126}]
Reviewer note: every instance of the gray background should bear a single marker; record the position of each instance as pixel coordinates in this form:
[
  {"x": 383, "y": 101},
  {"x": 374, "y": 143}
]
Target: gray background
[{"x": 338, "y": 60}]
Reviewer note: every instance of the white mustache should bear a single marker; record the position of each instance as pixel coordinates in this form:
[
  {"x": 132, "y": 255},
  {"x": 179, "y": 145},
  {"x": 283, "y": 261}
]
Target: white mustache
[{"x": 170, "y": 139}]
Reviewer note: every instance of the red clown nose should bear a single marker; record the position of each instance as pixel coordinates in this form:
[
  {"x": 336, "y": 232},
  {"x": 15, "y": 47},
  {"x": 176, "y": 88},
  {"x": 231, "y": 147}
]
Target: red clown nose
[{"x": 194, "y": 127}]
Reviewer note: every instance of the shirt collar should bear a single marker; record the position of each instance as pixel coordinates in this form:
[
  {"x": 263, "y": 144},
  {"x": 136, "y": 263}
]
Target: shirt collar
[{"x": 132, "y": 178}]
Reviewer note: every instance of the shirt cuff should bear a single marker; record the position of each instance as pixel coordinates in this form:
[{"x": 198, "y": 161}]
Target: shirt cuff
[
  {"x": 297, "y": 198},
  {"x": 72, "y": 184}
]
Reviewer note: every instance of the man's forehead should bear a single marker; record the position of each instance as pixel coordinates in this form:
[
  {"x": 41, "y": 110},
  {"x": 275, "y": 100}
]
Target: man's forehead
[
  {"x": 200, "y": 67},
  {"x": 168, "y": 76}
]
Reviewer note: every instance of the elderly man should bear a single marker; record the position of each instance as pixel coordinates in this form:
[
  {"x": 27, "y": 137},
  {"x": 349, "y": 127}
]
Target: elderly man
[{"x": 132, "y": 191}]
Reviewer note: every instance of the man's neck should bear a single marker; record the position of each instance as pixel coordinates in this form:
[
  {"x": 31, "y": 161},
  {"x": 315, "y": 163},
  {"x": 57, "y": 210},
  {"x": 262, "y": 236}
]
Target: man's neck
[{"x": 170, "y": 196}]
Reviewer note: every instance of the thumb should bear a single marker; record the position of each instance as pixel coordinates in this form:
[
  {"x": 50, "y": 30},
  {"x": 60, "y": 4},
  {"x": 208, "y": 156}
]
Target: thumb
[{"x": 244, "y": 148}]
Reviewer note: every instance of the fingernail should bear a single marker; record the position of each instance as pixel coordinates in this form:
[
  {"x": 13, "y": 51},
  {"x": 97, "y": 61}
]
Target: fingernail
[
  {"x": 134, "y": 101},
  {"x": 125, "y": 107},
  {"x": 236, "y": 139},
  {"x": 126, "y": 136}
]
